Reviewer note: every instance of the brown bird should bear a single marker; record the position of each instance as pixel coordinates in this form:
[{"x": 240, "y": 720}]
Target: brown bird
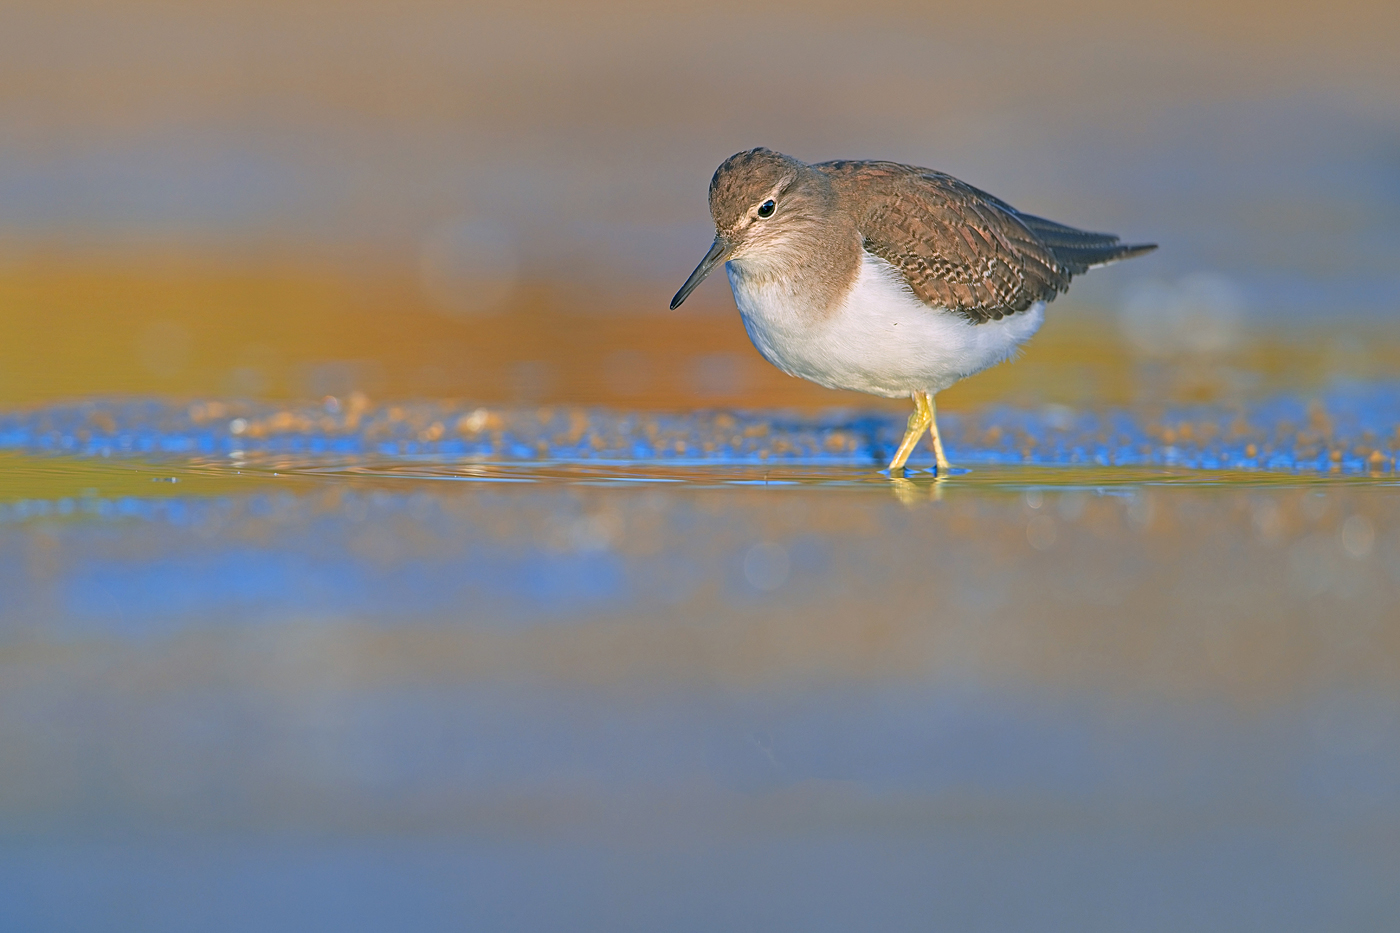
[{"x": 886, "y": 278}]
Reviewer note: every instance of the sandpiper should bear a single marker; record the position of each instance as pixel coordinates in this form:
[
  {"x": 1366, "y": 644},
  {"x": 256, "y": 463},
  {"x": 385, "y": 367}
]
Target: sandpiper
[{"x": 886, "y": 278}]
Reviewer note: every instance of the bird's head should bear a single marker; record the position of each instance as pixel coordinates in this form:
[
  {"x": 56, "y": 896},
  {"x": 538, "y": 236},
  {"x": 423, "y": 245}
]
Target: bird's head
[{"x": 762, "y": 203}]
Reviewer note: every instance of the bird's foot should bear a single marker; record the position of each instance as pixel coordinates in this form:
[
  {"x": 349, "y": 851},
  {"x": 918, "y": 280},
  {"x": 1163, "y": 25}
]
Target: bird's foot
[{"x": 918, "y": 423}]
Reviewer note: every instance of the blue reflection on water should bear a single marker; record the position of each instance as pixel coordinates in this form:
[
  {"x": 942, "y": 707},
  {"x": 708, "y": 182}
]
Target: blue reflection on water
[
  {"x": 282, "y": 581},
  {"x": 895, "y": 809},
  {"x": 1278, "y": 433}
]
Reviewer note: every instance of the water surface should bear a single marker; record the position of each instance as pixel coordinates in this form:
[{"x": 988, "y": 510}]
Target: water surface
[{"x": 265, "y": 668}]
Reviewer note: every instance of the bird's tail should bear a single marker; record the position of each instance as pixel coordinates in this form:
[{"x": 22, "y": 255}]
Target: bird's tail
[{"x": 1081, "y": 250}]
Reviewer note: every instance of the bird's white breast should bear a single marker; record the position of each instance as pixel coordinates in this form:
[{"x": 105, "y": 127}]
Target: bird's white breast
[{"x": 880, "y": 338}]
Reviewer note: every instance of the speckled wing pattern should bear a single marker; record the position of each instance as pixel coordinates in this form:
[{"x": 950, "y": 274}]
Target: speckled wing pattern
[{"x": 962, "y": 249}]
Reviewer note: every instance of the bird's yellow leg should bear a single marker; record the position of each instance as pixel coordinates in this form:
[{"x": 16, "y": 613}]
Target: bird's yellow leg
[
  {"x": 933, "y": 435},
  {"x": 918, "y": 424}
]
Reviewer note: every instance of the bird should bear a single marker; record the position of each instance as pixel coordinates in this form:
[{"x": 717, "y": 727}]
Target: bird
[{"x": 886, "y": 278}]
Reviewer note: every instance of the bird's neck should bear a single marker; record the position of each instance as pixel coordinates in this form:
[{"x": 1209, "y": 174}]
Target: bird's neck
[{"x": 812, "y": 268}]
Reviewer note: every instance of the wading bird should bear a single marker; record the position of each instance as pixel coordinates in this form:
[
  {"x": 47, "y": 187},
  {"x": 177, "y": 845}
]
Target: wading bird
[{"x": 886, "y": 278}]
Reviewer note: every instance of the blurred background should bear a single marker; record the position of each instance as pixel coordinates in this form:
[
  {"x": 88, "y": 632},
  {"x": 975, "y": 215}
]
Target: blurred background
[
  {"x": 295, "y": 199},
  {"x": 378, "y": 552}
]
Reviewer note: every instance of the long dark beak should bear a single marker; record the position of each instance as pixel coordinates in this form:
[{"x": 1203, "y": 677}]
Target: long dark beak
[{"x": 719, "y": 252}]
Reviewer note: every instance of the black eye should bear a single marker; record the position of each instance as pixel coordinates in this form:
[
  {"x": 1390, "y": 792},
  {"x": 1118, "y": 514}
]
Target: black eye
[{"x": 766, "y": 209}]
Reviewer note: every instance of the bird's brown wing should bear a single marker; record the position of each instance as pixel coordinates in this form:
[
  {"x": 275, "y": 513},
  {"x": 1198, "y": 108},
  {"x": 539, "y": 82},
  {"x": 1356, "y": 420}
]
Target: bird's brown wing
[{"x": 958, "y": 248}]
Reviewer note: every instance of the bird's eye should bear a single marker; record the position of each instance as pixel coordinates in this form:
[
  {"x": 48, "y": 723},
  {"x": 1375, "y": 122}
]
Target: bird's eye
[{"x": 766, "y": 208}]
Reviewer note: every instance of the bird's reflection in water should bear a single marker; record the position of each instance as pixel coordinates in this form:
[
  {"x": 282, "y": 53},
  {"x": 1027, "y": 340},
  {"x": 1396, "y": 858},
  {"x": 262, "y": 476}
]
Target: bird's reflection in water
[
  {"x": 914, "y": 488},
  {"x": 919, "y": 488}
]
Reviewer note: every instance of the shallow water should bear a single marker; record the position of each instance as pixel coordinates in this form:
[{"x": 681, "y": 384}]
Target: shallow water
[
  {"x": 346, "y": 667},
  {"x": 1350, "y": 429}
]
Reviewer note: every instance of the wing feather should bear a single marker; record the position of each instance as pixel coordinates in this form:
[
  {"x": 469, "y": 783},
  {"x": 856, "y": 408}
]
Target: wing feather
[{"x": 962, "y": 249}]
